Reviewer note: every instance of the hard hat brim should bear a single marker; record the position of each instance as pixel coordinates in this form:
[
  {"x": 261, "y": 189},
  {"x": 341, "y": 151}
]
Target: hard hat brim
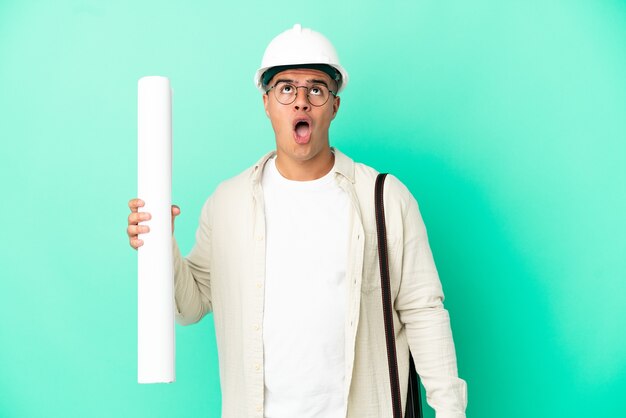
[
  {"x": 342, "y": 82},
  {"x": 331, "y": 71}
]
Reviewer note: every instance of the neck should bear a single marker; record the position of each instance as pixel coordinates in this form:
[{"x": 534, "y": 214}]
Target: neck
[{"x": 305, "y": 170}]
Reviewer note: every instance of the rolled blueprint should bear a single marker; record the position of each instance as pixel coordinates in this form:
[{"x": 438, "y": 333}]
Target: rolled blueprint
[{"x": 155, "y": 284}]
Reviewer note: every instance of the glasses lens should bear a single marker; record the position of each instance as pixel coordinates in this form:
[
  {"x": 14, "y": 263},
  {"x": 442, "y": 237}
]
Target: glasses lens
[
  {"x": 318, "y": 94},
  {"x": 285, "y": 93}
]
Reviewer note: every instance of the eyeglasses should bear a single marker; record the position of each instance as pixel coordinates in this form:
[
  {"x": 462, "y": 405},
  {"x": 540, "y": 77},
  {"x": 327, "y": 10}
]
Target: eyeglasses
[{"x": 286, "y": 93}]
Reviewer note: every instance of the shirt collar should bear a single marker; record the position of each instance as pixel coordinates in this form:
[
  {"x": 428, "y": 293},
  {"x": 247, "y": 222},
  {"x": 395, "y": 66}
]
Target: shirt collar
[{"x": 344, "y": 166}]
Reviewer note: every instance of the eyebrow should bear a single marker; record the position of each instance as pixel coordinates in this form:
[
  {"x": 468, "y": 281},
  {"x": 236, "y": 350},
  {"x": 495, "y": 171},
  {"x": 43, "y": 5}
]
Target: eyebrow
[
  {"x": 310, "y": 81},
  {"x": 317, "y": 81}
]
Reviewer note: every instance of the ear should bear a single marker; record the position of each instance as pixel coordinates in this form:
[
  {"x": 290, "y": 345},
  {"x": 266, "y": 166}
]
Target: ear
[
  {"x": 266, "y": 104},
  {"x": 336, "y": 104}
]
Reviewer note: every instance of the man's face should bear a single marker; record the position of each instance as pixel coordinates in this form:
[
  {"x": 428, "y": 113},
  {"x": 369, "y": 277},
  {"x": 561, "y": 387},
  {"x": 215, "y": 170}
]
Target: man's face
[{"x": 301, "y": 129}]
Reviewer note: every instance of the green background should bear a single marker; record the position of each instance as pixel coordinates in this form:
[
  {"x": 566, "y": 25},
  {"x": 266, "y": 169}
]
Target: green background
[{"x": 506, "y": 119}]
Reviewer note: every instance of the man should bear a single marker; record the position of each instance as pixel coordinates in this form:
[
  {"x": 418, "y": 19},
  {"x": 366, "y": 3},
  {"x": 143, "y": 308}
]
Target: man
[{"x": 286, "y": 259}]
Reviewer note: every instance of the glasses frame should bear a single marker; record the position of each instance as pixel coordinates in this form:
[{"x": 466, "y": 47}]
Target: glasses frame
[{"x": 295, "y": 96}]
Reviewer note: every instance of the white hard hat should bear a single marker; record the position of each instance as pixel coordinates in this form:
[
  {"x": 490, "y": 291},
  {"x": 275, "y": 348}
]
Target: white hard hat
[{"x": 298, "y": 46}]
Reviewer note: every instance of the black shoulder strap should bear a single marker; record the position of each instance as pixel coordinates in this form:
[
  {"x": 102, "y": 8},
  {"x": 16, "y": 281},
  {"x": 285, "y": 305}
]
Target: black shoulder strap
[
  {"x": 390, "y": 335},
  {"x": 413, "y": 402}
]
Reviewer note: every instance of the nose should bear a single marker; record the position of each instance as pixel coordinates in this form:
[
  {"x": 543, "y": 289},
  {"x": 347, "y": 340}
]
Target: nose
[{"x": 302, "y": 101}]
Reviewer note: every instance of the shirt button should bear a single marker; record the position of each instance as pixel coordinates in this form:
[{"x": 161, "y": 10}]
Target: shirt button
[
  {"x": 259, "y": 285},
  {"x": 258, "y": 408},
  {"x": 259, "y": 237},
  {"x": 256, "y": 327},
  {"x": 257, "y": 367}
]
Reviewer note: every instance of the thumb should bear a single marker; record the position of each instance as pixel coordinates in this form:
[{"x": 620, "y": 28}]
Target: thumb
[{"x": 175, "y": 213}]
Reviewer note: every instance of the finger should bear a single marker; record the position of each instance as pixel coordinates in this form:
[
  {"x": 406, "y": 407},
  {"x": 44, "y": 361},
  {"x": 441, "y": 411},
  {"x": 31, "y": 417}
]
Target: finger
[
  {"x": 175, "y": 210},
  {"x": 136, "y": 243},
  {"x": 134, "y": 230},
  {"x": 133, "y": 204},
  {"x": 135, "y": 217}
]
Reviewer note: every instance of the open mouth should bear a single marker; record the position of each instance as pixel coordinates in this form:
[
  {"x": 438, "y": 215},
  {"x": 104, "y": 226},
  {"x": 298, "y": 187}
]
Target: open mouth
[{"x": 302, "y": 131}]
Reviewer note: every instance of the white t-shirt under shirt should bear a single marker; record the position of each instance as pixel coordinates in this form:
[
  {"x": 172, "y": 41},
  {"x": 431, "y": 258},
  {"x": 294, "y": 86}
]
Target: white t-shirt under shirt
[{"x": 305, "y": 296}]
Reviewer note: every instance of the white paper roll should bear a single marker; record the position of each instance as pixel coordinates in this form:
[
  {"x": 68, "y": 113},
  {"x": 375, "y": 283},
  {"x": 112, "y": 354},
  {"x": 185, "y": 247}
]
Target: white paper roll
[{"x": 155, "y": 284}]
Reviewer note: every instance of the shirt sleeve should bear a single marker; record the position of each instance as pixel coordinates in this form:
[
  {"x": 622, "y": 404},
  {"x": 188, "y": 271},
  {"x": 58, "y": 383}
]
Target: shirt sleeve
[
  {"x": 192, "y": 275},
  {"x": 419, "y": 304}
]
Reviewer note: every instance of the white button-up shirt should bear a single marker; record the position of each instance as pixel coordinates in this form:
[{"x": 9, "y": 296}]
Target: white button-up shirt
[{"x": 225, "y": 274}]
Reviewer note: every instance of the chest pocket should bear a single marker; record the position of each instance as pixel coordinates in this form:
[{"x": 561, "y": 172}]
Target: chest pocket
[{"x": 371, "y": 268}]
